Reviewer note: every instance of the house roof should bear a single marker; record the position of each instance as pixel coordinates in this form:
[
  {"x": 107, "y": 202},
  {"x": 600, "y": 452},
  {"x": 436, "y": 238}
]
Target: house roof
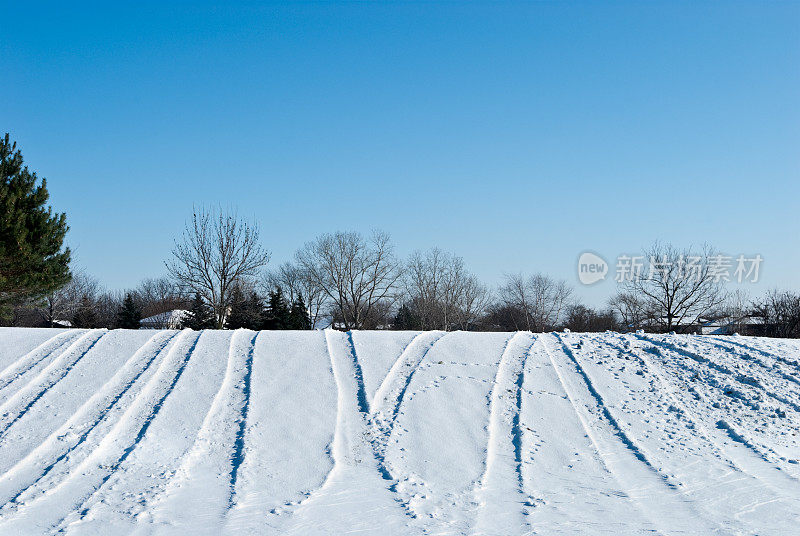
[{"x": 176, "y": 315}]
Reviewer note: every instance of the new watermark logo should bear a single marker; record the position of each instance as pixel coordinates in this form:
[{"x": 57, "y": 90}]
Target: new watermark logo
[{"x": 591, "y": 268}]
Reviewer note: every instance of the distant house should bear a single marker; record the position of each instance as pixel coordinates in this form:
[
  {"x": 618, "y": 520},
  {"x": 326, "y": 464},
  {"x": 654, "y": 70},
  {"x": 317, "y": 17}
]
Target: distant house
[
  {"x": 40, "y": 323},
  {"x": 745, "y": 325},
  {"x": 167, "y": 320}
]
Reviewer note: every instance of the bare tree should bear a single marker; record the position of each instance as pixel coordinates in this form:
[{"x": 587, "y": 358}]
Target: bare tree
[
  {"x": 62, "y": 304},
  {"x": 679, "y": 286},
  {"x": 159, "y": 295},
  {"x": 780, "y": 313},
  {"x": 735, "y": 311},
  {"x": 537, "y": 302},
  {"x": 631, "y": 309},
  {"x": 358, "y": 276},
  {"x": 216, "y": 251},
  {"x": 586, "y": 319},
  {"x": 441, "y": 292},
  {"x": 473, "y": 300},
  {"x": 297, "y": 282}
]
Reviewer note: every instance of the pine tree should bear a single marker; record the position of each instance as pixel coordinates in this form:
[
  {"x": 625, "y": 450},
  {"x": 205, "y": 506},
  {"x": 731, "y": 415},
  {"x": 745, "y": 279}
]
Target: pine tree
[
  {"x": 255, "y": 312},
  {"x": 32, "y": 261},
  {"x": 236, "y": 318},
  {"x": 298, "y": 315},
  {"x": 85, "y": 315},
  {"x": 200, "y": 315},
  {"x": 405, "y": 319},
  {"x": 277, "y": 314},
  {"x": 129, "y": 315},
  {"x": 245, "y": 312}
]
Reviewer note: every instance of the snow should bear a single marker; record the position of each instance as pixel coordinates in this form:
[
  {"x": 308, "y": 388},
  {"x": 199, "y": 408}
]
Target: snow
[{"x": 324, "y": 432}]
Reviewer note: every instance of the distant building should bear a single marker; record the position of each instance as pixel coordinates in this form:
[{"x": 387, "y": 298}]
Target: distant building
[{"x": 167, "y": 320}]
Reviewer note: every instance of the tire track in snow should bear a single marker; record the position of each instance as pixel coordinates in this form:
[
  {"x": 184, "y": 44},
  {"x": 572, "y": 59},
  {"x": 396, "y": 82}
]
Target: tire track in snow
[
  {"x": 655, "y": 496},
  {"x": 48, "y": 512},
  {"x": 382, "y": 389},
  {"x": 717, "y": 367},
  {"x": 618, "y": 431},
  {"x": 18, "y": 405},
  {"x": 238, "y": 448},
  {"x": 204, "y": 487},
  {"x": 730, "y": 430},
  {"x": 389, "y": 396},
  {"x": 361, "y": 390},
  {"x": 728, "y": 340},
  {"x": 733, "y": 347},
  {"x": 147, "y": 422},
  {"x": 500, "y": 487},
  {"x": 49, "y": 348},
  {"x": 31, "y": 470},
  {"x": 732, "y": 458},
  {"x": 338, "y": 436},
  {"x": 358, "y": 476}
]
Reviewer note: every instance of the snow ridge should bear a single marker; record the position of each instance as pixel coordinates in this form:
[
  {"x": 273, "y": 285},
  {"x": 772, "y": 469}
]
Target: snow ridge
[
  {"x": 64, "y": 441},
  {"x": 502, "y": 479},
  {"x": 238, "y": 445},
  {"x": 51, "y": 375},
  {"x": 38, "y": 355}
]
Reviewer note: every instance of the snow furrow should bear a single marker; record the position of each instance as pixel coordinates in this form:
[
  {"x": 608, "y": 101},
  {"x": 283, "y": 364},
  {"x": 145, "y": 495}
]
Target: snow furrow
[
  {"x": 60, "y": 447},
  {"x": 361, "y": 391},
  {"x": 737, "y": 490},
  {"x": 14, "y": 372},
  {"x": 653, "y": 493},
  {"x": 22, "y": 401},
  {"x": 48, "y": 511},
  {"x": 389, "y": 396},
  {"x": 618, "y": 431},
  {"x": 794, "y": 363},
  {"x": 198, "y": 497},
  {"x": 238, "y": 445},
  {"x": 785, "y": 482},
  {"x": 500, "y": 492},
  {"x": 718, "y": 368},
  {"x": 748, "y": 354},
  {"x": 356, "y": 479},
  {"x": 289, "y": 435}
]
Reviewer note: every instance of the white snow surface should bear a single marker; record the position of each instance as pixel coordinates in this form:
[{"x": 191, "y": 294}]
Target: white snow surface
[{"x": 397, "y": 433}]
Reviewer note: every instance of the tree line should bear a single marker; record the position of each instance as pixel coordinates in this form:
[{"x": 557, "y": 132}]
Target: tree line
[{"x": 219, "y": 274}]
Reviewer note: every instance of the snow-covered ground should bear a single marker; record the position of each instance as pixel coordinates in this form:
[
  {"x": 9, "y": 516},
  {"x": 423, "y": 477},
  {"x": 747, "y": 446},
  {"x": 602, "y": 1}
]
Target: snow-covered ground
[{"x": 220, "y": 432}]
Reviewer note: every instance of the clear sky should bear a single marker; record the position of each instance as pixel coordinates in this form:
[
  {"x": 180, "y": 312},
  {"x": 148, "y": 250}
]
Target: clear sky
[{"x": 514, "y": 134}]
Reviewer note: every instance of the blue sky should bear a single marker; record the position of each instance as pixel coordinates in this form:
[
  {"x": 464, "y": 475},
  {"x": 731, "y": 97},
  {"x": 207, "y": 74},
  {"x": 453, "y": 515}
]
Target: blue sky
[{"x": 514, "y": 134}]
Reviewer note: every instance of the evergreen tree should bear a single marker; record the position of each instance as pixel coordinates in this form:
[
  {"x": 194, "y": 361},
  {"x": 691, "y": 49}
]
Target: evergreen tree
[
  {"x": 236, "y": 318},
  {"x": 129, "y": 315},
  {"x": 277, "y": 314},
  {"x": 298, "y": 315},
  {"x": 32, "y": 261},
  {"x": 255, "y": 312},
  {"x": 200, "y": 315},
  {"x": 245, "y": 312},
  {"x": 85, "y": 315},
  {"x": 405, "y": 319}
]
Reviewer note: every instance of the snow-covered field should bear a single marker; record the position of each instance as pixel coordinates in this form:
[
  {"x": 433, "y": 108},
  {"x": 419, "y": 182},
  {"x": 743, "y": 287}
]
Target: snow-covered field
[{"x": 220, "y": 432}]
